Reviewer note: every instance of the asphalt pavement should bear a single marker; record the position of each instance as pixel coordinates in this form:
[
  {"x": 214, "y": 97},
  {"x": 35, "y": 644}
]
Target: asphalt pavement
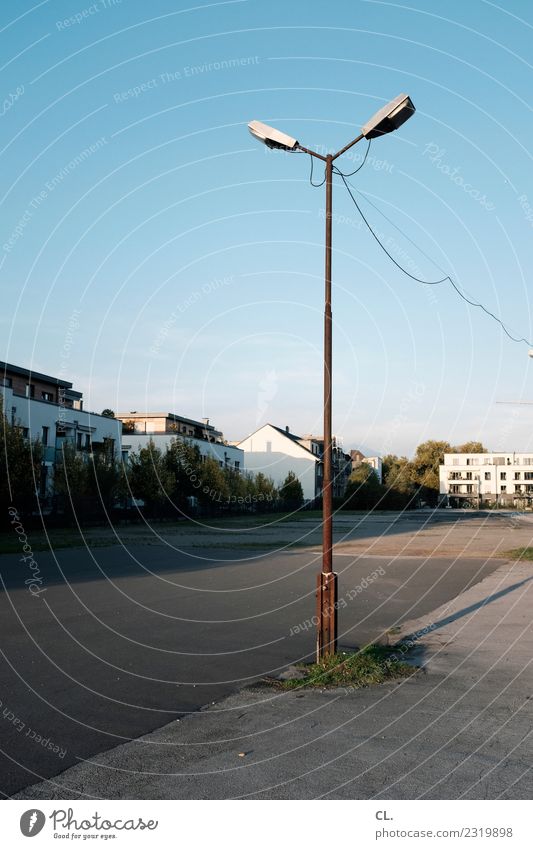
[
  {"x": 120, "y": 642},
  {"x": 458, "y": 729}
]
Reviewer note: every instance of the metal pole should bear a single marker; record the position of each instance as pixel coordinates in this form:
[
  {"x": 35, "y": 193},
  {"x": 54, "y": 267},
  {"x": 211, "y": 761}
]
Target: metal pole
[{"x": 326, "y": 594}]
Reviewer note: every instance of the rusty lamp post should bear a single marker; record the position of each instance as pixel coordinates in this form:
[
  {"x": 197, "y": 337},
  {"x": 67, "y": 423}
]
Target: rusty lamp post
[{"x": 387, "y": 119}]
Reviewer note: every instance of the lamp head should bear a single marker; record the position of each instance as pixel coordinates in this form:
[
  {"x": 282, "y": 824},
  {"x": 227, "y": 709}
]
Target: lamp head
[
  {"x": 272, "y": 137},
  {"x": 390, "y": 117}
]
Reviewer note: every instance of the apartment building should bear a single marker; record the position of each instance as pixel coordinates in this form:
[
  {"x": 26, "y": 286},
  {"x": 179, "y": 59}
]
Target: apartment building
[
  {"x": 494, "y": 479},
  {"x": 49, "y": 409},
  {"x": 162, "y": 428}
]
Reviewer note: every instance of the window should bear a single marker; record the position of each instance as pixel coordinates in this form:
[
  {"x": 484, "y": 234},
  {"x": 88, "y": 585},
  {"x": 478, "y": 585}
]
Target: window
[
  {"x": 487, "y": 476},
  {"x": 237, "y": 464},
  {"x": 7, "y": 382},
  {"x": 30, "y": 390},
  {"x": 504, "y": 489},
  {"x": 45, "y": 435},
  {"x": 455, "y": 461},
  {"x": 517, "y": 476},
  {"x": 527, "y": 461},
  {"x": 87, "y": 440},
  {"x": 528, "y": 476},
  {"x": 503, "y": 476},
  {"x": 79, "y": 437},
  {"x": 468, "y": 461},
  {"x": 47, "y": 396},
  {"x": 469, "y": 487},
  {"x": 25, "y": 432},
  {"x": 469, "y": 476},
  {"x": 518, "y": 488}
]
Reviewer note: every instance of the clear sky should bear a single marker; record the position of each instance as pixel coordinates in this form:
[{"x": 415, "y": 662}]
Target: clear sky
[{"x": 156, "y": 255}]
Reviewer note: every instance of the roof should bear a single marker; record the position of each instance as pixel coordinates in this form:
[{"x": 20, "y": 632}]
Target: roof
[
  {"x": 173, "y": 416},
  {"x": 28, "y": 372},
  {"x": 287, "y": 434}
]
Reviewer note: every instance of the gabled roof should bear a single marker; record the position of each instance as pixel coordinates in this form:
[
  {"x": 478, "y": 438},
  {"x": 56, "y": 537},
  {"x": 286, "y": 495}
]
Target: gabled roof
[{"x": 287, "y": 434}]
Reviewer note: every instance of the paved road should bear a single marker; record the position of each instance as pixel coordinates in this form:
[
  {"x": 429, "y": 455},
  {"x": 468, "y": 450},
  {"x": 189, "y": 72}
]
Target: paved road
[{"x": 118, "y": 645}]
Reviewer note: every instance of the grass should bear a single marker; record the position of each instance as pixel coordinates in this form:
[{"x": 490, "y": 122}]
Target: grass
[
  {"x": 372, "y": 665},
  {"x": 519, "y": 553}
]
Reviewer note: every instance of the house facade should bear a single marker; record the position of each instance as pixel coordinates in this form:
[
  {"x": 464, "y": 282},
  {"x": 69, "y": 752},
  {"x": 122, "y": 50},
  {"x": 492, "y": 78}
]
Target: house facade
[
  {"x": 493, "y": 479},
  {"x": 162, "y": 428},
  {"x": 49, "y": 409},
  {"x": 276, "y": 451}
]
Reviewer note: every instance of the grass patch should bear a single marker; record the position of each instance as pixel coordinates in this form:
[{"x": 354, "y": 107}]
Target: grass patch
[
  {"x": 519, "y": 553},
  {"x": 372, "y": 665}
]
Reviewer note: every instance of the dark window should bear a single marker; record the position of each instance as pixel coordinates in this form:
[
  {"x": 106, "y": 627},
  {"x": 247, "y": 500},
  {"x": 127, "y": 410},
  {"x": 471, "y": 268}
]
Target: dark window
[
  {"x": 30, "y": 390},
  {"x": 504, "y": 489},
  {"x": 517, "y": 476},
  {"x": 528, "y": 476},
  {"x": 487, "y": 476},
  {"x": 47, "y": 396},
  {"x": 45, "y": 435},
  {"x": 503, "y": 476}
]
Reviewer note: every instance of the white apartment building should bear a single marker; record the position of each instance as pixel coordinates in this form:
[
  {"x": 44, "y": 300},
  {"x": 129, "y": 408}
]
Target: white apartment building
[
  {"x": 162, "y": 428},
  {"x": 499, "y": 478},
  {"x": 49, "y": 409}
]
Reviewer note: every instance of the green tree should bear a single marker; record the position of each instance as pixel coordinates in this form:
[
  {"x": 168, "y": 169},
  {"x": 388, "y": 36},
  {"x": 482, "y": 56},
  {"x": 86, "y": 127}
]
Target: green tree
[
  {"x": 149, "y": 478},
  {"x": 213, "y": 492},
  {"x": 264, "y": 491},
  {"x": 291, "y": 493},
  {"x": 470, "y": 448},
  {"x": 108, "y": 413},
  {"x": 20, "y": 469},
  {"x": 184, "y": 464},
  {"x": 104, "y": 480},
  {"x": 425, "y": 468},
  {"x": 398, "y": 486},
  {"x": 363, "y": 490}
]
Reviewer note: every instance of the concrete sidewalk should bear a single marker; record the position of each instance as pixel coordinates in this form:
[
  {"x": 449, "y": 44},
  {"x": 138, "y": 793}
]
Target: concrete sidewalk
[{"x": 460, "y": 728}]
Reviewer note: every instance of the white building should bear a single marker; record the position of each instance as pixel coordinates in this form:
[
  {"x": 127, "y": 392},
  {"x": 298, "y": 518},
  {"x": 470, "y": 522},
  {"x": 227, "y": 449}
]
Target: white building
[
  {"x": 162, "y": 428},
  {"x": 276, "y": 451},
  {"x": 49, "y": 409},
  {"x": 478, "y": 480}
]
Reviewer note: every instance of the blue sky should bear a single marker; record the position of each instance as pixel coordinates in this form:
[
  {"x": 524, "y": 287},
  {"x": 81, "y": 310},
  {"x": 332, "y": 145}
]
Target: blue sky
[{"x": 185, "y": 260}]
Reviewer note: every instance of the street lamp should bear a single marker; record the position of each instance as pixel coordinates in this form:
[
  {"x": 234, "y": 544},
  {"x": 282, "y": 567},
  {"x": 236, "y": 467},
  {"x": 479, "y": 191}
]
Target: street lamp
[{"x": 387, "y": 119}]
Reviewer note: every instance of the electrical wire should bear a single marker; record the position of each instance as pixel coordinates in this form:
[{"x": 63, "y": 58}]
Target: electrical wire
[
  {"x": 339, "y": 172},
  {"x": 444, "y": 279},
  {"x": 315, "y": 185}
]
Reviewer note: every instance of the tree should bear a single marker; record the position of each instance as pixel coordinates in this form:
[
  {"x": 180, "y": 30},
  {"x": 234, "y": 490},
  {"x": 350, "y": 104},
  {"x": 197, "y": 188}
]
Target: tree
[
  {"x": 425, "y": 468},
  {"x": 363, "y": 490},
  {"x": 183, "y": 461},
  {"x": 20, "y": 469},
  {"x": 398, "y": 485},
  {"x": 291, "y": 493},
  {"x": 108, "y": 413},
  {"x": 149, "y": 477},
  {"x": 264, "y": 491},
  {"x": 470, "y": 448},
  {"x": 213, "y": 491}
]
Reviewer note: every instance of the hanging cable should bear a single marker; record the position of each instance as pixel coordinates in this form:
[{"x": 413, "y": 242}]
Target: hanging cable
[
  {"x": 339, "y": 172},
  {"x": 444, "y": 279},
  {"x": 315, "y": 185}
]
